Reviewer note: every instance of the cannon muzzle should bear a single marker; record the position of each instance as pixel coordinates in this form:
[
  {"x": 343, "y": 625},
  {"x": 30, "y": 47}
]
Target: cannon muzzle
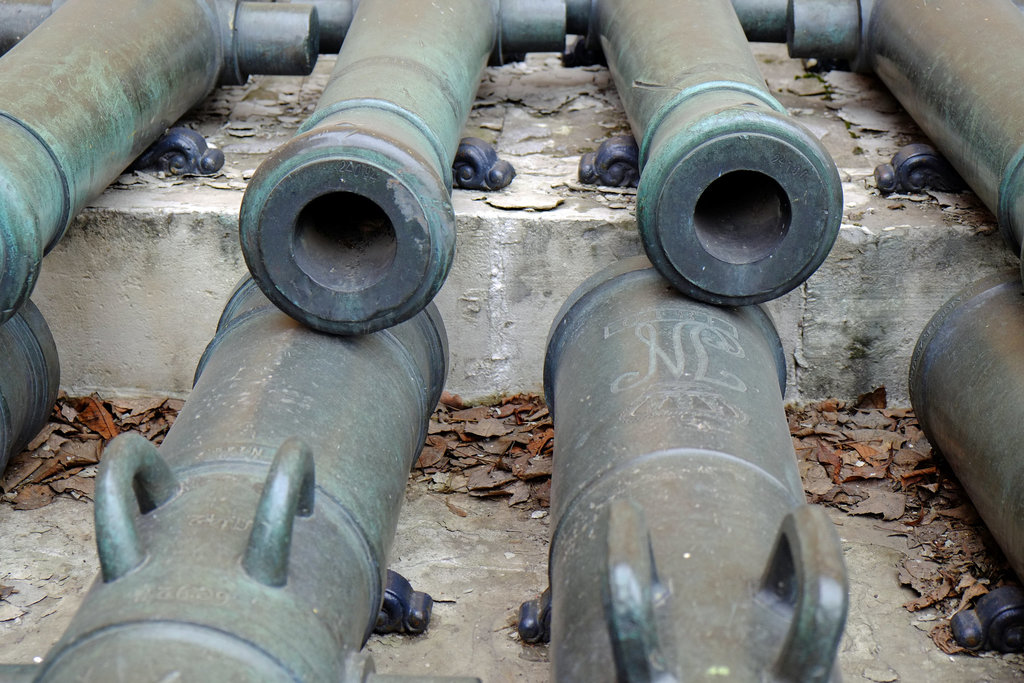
[
  {"x": 737, "y": 203},
  {"x": 349, "y": 227}
]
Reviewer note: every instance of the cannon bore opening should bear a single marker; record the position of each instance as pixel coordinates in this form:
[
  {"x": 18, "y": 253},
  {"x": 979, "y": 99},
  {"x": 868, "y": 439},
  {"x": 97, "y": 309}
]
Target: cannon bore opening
[
  {"x": 344, "y": 241},
  {"x": 742, "y": 217}
]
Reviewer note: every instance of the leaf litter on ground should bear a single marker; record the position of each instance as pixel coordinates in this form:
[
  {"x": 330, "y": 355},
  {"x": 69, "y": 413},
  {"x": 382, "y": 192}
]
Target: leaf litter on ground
[
  {"x": 859, "y": 457},
  {"x": 865, "y": 459},
  {"x": 62, "y": 458}
]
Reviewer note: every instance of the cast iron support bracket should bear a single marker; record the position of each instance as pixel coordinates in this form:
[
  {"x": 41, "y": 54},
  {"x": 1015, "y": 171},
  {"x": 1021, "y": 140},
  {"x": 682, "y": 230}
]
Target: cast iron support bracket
[
  {"x": 180, "y": 151},
  {"x": 404, "y": 610},
  {"x": 915, "y": 168},
  {"x": 616, "y": 163},
  {"x": 477, "y": 167},
  {"x": 535, "y": 619},
  {"x": 995, "y": 623}
]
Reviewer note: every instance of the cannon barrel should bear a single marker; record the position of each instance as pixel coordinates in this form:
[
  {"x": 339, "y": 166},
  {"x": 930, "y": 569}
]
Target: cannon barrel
[
  {"x": 349, "y": 226},
  {"x": 335, "y": 17},
  {"x": 252, "y": 545},
  {"x": 966, "y": 382},
  {"x": 966, "y": 386},
  {"x": 670, "y": 420},
  {"x": 19, "y": 17},
  {"x": 736, "y": 203},
  {"x": 98, "y": 83},
  {"x": 948, "y": 64},
  {"x": 29, "y": 379}
]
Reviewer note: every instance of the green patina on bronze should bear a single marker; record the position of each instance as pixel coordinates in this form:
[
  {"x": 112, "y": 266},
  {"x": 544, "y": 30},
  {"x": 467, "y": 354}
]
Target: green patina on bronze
[
  {"x": 29, "y": 377},
  {"x": 253, "y": 545},
  {"x": 349, "y": 227},
  {"x": 670, "y": 422},
  {"x": 949, "y": 63},
  {"x": 89, "y": 90},
  {"x": 966, "y": 379},
  {"x": 19, "y": 17},
  {"x": 737, "y": 203}
]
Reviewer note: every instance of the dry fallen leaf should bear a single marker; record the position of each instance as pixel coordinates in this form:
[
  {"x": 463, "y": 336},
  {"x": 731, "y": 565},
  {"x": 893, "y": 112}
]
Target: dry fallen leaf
[
  {"x": 487, "y": 428},
  {"x": 483, "y": 478},
  {"x": 888, "y": 505},
  {"x": 32, "y": 497},
  {"x": 452, "y": 400},
  {"x": 9, "y": 612},
  {"x": 93, "y": 415},
  {"x": 942, "y": 636},
  {"x": 470, "y": 414},
  {"x": 889, "y": 470},
  {"x": 85, "y": 486},
  {"x": 455, "y": 508}
]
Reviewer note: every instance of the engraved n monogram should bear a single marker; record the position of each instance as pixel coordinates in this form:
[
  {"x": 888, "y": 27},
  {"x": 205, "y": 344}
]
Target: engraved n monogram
[{"x": 681, "y": 345}]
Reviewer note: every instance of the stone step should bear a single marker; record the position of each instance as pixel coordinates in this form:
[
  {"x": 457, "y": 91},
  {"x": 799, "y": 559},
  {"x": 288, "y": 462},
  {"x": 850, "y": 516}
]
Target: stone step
[{"x": 134, "y": 291}]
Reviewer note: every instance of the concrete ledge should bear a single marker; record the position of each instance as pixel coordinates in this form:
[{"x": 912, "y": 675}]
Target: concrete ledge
[{"x": 134, "y": 291}]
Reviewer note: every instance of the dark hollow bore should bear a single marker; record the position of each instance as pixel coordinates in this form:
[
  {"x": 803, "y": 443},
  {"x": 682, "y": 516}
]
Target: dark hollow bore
[
  {"x": 742, "y": 217},
  {"x": 344, "y": 242}
]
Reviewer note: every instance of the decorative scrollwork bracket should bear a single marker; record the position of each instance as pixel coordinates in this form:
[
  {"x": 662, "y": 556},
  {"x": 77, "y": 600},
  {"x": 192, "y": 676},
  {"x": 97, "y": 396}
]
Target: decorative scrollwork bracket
[
  {"x": 180, "y": 151},
  {"x": 616, "y": 163},
  {"x": 477, "y": 167}
]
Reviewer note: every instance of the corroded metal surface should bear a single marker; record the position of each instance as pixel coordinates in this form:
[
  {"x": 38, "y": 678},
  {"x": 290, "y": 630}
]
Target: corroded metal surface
[
  {"x": 763, "y": 20},
  {"x": 29, "y": 377},
  {"x": 737, "y": 203},
  {"x": 966, "y": 380},
  {"x": 670, "y": 420},
  {"x": 948, "y": 63},
  {"x": 19, "y": 17},
  {"x": 349, "y": 226},
  {"x": 335, "y": 18},
  {"x": 102, "y": 91},
  {"x": 253, "y": 545},
  {"x": 826, "y": 29}
]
